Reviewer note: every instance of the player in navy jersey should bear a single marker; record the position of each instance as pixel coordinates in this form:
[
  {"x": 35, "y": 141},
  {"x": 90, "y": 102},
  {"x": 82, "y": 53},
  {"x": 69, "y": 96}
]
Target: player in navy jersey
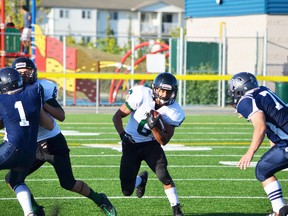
[
  {"x": 52, "y": 146},
  {"x": 20, "y": 115},
  {"x": 146, "y": 132},
  {"x": 269, "y": 116}
]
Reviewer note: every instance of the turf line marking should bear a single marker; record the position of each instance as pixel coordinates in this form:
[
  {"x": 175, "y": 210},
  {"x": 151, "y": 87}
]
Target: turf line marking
[
  {"x": 145, "y": 166},
  {"x": 144, "y": 197},
  {"x": 168, "y": 155},
  {"x": 150, "y": 179}
]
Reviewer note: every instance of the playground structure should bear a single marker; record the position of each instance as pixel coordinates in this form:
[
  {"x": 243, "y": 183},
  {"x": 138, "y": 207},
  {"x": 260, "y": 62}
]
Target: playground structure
[
  {"x": 10, "y": 44},
  {"x": 114, "y": 89},
  {"x": 51, "y": 55},
  {"x": 49, "y": 58}
]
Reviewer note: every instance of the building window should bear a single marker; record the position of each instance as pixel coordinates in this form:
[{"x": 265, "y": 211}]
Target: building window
[
  {"x": 113, "y": 15},
  {"x": 64, "y": 14},
  {"x": 86, "y": 14},
  {"x": 86, "y": 39}
]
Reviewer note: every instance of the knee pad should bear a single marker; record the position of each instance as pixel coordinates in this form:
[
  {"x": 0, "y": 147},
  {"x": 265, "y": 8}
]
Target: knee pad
[
  {"x": 163, "y": 175},
  {"x": 67, "y": 185},
  {"x": 10, "y": 181},
  {"x": 7, "y": 178},
  {"x": 261, "y": 173}
]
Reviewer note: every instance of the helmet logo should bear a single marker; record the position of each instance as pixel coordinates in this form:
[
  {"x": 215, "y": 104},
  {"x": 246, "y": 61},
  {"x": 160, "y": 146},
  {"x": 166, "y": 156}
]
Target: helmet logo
[
  {"x": 21, "y": 65},
  {"x": 166, "y": 86}
]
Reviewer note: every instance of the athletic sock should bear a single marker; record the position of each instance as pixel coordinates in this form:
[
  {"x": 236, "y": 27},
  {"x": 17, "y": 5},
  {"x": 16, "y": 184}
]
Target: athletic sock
[
  {"x": 96, "y": 197},
  {"x": 138, "y": 181},
  {"x": 274, "y": 193},
  {"x": 172, "y": 196},
  {"x": 23, "y": 196}
]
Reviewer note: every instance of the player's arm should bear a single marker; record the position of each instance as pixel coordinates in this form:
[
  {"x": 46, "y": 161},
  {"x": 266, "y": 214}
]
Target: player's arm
[
  {"x": 163, "y": 137},
  {"x": 121, "y": 113},
  {"x": 259, "y": 123},
  {"x": 46, "y": 120},
  {"x": 161, "y": 130},
  {"x": 54, "y": 109}
]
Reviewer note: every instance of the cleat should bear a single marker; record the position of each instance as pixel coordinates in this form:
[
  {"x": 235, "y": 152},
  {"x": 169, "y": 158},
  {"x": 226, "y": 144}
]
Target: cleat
[
  {"x": 140, "y": 190},
  {"x": 107, "y": 207},
  {"x": 283, "y": 211},
  {"x": 40, "y": 211},
  {"x": 177, "y": 210}
]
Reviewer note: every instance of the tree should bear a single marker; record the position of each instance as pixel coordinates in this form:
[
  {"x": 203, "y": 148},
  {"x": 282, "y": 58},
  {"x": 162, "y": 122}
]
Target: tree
[{"x": 13, "y": 8}]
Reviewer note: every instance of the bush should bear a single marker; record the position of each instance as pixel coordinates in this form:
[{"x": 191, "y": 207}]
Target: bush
[{"x": 202, "y": 92}]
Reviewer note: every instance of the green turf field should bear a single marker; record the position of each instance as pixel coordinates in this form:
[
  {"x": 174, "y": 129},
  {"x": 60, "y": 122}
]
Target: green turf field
[{"x": 207, "y": 181}]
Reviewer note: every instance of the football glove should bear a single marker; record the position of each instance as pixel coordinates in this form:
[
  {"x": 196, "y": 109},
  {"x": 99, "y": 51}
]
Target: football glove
[
  {"x": 126, "y": 138},
  {"x": 152, "y": 118}
]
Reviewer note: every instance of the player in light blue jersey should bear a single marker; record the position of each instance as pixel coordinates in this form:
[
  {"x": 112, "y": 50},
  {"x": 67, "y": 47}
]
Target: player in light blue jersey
[
  {"x": 269, "y": 116},
  {"x": 20, "y": 114},
  {"x": 154, "y": 115},
  {"x": 52, "y": 146}
]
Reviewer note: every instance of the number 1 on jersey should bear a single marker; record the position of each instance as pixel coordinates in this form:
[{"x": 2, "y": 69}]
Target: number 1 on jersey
[{"x": 18, "y": 105}]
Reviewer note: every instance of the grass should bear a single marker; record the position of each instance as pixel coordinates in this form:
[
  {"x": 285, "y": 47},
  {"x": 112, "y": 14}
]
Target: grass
[{"x": 205, "y": 186}]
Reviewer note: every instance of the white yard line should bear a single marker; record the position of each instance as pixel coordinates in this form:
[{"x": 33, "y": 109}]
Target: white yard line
[{"x": 145, "y": 197}]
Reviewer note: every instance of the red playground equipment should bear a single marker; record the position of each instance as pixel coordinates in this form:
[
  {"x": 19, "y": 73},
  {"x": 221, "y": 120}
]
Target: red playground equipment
[{"x": 114, "y": 89}]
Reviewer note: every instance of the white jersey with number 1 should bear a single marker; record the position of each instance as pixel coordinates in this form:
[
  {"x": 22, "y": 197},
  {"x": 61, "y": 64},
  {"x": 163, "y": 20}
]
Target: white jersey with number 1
[{"x": 140, "y": 102}]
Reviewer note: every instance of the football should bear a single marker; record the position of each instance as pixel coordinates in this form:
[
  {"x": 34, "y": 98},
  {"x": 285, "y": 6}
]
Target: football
[{"x": 161, "y": 123}]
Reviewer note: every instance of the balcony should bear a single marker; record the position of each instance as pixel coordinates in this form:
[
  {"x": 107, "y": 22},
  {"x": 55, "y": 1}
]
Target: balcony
[{"x": 152, "y": 29}]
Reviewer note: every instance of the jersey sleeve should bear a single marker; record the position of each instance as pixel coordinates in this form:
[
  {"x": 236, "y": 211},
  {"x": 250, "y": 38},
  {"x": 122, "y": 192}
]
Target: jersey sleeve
[
  {"x": 173, "y": 114},
  {"x": 134, "y": 98},
  {"x": 50, "y": 90},
  {"x": 246, "y": 107}
]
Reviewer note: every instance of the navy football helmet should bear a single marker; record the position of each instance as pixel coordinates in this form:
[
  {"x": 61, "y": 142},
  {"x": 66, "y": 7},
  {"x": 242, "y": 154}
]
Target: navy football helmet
[
  {"x": 10, "y": 80},
  {"x": 30, "y": 76},
  {"x": 239, "y": 84},
  {"x": 165, "y": 81}
]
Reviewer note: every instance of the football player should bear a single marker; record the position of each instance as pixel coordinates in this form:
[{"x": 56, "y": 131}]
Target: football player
[
  {"x": 269, "y": 116},
  {"x": 154, "y": 114},
  {"x": 52, "y": 146},
  {"x": 20, "y": 114}
]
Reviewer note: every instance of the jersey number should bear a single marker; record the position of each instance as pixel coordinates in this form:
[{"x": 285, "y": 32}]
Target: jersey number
[
  {"x": 278, "y": 105},
  {"x": 141, "y": 130},
  {"x": 18, "y": 105}
]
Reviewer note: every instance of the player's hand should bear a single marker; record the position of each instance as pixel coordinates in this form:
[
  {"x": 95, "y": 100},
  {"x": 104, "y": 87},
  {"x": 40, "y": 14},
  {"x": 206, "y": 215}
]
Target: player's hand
[
  {"x": 152, "y": 118},
  {"x": 126, "y": 138},
  {"x": 245, "y": 161}
]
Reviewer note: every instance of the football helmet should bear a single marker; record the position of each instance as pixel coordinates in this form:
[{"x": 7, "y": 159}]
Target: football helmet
[
  {"x": 30, "y": 76},
  {"x": 10, "y": 80},
  {"x": 165, "y": 81},
  {"x": 239, "y": 84}
]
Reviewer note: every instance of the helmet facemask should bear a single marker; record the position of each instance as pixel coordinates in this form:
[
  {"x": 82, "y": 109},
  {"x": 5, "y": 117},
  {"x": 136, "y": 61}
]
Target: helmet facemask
[
  {"x": 28, "y": 75},
  {"x": 26, "y": 68},
  {"x": 168, "y": 99}
]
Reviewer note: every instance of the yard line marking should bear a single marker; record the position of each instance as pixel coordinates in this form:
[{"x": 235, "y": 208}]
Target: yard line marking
[
  {"x": 175, "y": 147},
  {"x": 174, "y": 139},
  {"x": 214, "y": 145},
  {"x": 184, "y": 123},
  {"x": 153, "y": 179},
  {"x": 171, "y": 166},
  {"x": 150, "y": 179},
  {"x": 168, "y": 155},
  {"x": 146, "y": 197}
]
